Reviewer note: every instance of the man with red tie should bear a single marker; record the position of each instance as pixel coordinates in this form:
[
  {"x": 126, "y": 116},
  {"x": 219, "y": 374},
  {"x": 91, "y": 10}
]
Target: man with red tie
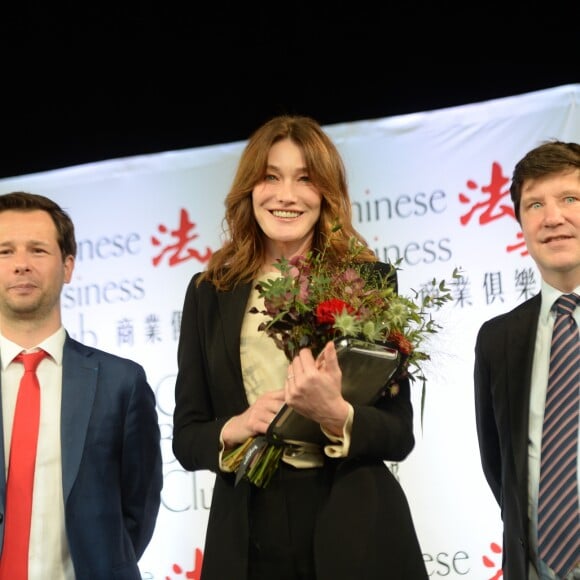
[{"x": 80, "y": 468}]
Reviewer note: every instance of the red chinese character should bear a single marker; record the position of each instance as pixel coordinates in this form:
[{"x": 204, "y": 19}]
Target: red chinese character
[
  {"x": 489, "y": 563},
  {"x": 492, "y": 208},
  {"x": 520, "y": 245},
  {"x": 194, "y": 574},
  {"x": 179, "y": 252}
]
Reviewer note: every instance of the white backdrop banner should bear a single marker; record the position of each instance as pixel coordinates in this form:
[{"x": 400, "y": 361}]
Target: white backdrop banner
[{"x": 431, "y": 189}]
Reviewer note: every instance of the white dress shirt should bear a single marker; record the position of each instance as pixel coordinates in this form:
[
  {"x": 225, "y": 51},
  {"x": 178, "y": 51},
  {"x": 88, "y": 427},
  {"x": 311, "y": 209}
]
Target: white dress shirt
[{"x": 49, "y": 555}]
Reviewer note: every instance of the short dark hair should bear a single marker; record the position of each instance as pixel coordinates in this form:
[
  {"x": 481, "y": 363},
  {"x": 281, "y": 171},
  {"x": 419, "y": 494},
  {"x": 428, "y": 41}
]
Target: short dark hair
[
  {"x": 548, "y": 158},
  {"x": 23, "y": 201}
]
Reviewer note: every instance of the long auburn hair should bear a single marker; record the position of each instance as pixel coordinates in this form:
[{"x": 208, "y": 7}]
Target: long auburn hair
[{"x": 242, "y": 253}]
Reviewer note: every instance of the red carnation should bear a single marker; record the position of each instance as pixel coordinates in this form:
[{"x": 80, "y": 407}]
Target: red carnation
[{"x": 327, "y": 310}]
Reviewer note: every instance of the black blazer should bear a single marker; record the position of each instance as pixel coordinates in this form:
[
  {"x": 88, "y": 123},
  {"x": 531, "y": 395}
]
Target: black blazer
[
  {"x": 504, "y": 354},
  {"x": 364, "y": 530}
]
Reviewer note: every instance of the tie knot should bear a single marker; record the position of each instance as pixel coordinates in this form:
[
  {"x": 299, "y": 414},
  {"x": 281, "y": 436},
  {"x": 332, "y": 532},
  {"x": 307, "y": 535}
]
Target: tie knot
[
  {"x": 31, "y": 360},
  {"x": 567, "y": 303}
]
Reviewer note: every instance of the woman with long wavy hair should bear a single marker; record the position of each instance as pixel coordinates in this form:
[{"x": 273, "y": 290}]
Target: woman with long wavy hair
[{"x": 335, "y": 513}]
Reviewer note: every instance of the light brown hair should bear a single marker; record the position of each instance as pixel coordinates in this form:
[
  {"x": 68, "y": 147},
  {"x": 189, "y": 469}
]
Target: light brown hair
[
  {"x": 242, "y": 254},
  {"x": 549, "y": 158}
]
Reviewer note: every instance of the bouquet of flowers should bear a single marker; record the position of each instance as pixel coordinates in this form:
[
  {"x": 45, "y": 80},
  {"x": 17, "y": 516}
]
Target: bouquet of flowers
[{"x": 315, "y": 300}]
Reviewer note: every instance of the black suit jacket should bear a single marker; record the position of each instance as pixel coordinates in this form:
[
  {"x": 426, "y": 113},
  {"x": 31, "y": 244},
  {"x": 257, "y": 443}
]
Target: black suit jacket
[
  {"x": 364, "y": 530},
  {"x": 504, "y": 354}
]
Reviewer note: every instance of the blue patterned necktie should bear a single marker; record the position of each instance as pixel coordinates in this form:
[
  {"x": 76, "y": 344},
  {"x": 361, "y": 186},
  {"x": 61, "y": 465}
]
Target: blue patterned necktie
[{"x": 558, "y": 512}]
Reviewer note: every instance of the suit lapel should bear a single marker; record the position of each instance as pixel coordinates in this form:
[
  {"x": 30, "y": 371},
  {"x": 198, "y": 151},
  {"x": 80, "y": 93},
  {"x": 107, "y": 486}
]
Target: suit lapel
[
  {"x": 520, "y": 344},
  {"x": 232, "y": 308},
  {"x": 79, "y": 385}
]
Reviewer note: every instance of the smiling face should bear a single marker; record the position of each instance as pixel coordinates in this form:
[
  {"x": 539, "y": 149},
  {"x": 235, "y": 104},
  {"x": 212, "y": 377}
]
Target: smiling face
[
  {"x": 32, "y": 269},
  {"x": 286, "y": 204},
  {"x": 550, "y": 219}
]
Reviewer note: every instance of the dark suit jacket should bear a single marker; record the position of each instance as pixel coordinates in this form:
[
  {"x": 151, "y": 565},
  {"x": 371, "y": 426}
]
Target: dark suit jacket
[
  {"x": 504, "y": 354},
  {"x": 111, "y": 463},
  {"x": 364, "y": 529}
]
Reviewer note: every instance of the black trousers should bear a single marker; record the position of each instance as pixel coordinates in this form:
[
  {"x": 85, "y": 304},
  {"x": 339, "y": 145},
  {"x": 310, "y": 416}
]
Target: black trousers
[{"x": 282, "y": 523}]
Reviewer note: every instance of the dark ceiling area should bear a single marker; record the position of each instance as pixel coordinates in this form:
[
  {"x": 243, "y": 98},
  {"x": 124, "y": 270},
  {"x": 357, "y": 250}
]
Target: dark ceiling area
[{"x": 83, "y": 87}]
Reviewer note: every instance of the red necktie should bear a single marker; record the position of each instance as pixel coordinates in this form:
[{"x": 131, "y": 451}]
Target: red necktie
[{"x": 14, "y": 559}]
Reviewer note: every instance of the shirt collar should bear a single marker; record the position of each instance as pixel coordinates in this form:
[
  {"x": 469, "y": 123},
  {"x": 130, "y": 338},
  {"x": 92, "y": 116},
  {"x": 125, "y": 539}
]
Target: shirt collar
[
  {"x": 549, "y": 296},
  {"x": 53, "y": 345}
]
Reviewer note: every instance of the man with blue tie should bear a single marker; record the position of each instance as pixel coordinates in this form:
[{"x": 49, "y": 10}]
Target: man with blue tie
[
  {"x": 527, "y": 378},
  {"x": 94, "y": 479}
]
